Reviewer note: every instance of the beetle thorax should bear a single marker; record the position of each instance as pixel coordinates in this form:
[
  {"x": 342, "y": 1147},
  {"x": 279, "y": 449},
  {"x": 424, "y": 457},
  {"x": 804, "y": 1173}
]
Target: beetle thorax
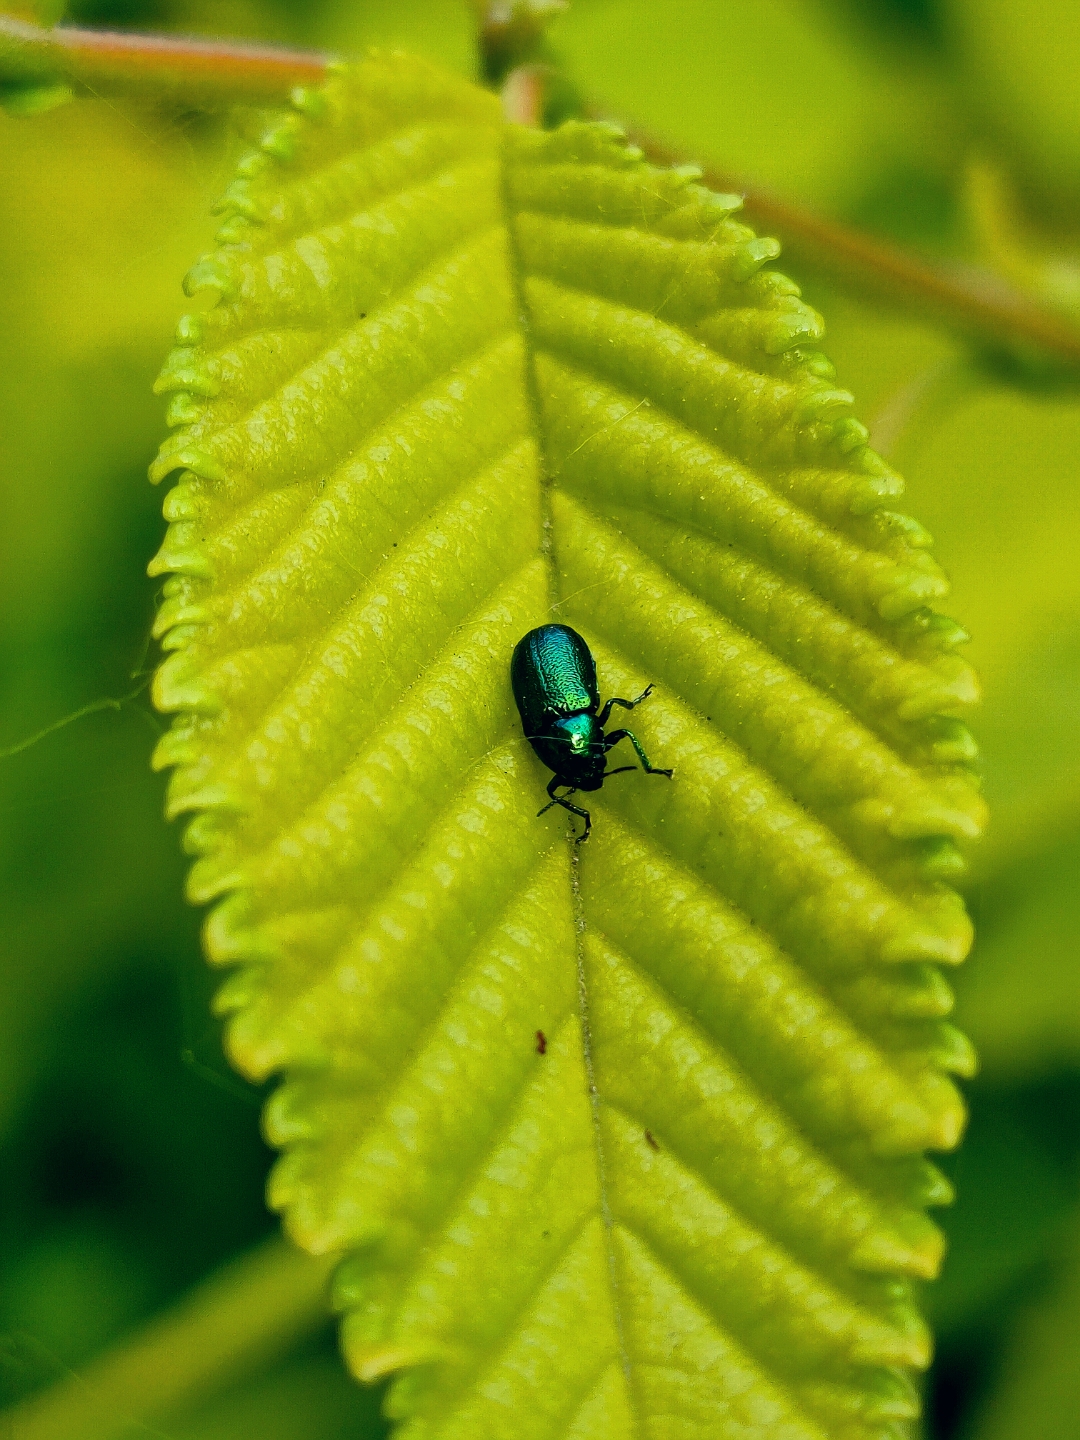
[
  {"x": 581, "y": 748},
  {"x": 579, "y": 732}
]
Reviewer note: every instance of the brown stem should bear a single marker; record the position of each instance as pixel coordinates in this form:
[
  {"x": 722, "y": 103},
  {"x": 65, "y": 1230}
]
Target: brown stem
[
  {"x": 207, "y": 72},
  {"x": 217, "y": 72},
  {"x": 523, "y": 94},
  {"x": 972, "y": 301}
]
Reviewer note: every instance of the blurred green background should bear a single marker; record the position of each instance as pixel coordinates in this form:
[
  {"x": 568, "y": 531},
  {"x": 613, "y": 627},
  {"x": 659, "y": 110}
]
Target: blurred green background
[{"x": 131, "y": 1162}]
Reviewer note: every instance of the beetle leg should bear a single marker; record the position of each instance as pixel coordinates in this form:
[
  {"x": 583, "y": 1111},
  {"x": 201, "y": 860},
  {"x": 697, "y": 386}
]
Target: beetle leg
[
  {"x": 552, "y": 786},
  {"x": 617, "y": 735},
  {"x": 605, "y": 714},
  {"x": 564, "y": 801},
  {"x": 577, "y": 810}
]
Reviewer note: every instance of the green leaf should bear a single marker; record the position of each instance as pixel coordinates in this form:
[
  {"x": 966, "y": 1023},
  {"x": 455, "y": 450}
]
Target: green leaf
[
  {"x": 29, "y": 100},
  {"x": 1035, "y": 1390},
  {"x": 623, "y": 1138},
  {"x": 1021, "y": 1001}
]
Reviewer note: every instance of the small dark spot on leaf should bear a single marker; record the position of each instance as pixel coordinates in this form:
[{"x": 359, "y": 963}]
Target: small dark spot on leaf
[
  {"x": 650, "y": 1140},
  {"x": 363, "y": 314},
  {"x": 541, "y": 1043}
]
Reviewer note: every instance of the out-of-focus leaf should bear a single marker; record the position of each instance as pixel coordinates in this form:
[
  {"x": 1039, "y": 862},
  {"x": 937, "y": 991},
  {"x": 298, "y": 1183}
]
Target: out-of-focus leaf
[
  {"x": 26, "y": 101},
  {"x": 1021, "y": 996},
  {"x": 1014, "y": 1187},
  {"x": 97, "y": 205},
  {"x": 1018, "y": 587},
  {"x": 309, "y": 1398},
  {"x": 807, "y": 109},
  {"x": 1020, "y": 59},
  {"x": 633, "y": 1132},
  {"x": 994, "y": 215},
  {"x": 1038, "y": 1391},
  {"x": 87, "y": 299}
]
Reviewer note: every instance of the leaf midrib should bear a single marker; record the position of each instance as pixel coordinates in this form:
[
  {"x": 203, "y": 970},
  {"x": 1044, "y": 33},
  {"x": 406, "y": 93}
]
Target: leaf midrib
[{"x": 548, "y": 540}]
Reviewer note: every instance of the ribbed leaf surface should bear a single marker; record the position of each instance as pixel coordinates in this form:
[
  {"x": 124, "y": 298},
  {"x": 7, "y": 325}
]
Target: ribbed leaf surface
[{"x": 621, "y": 1140}]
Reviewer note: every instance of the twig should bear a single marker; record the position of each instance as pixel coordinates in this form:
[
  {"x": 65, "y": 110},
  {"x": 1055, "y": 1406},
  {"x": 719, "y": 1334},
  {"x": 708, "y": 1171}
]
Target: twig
[
  {"x": 523, "y": 94},
  {"x": 222, "y": 71},
  {"x": 207, "y": 72},
  {"x": 974, "y": 302}
]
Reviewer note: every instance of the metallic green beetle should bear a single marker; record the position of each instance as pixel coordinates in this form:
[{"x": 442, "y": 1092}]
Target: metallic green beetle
[{"x": 553, "y": 675}]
